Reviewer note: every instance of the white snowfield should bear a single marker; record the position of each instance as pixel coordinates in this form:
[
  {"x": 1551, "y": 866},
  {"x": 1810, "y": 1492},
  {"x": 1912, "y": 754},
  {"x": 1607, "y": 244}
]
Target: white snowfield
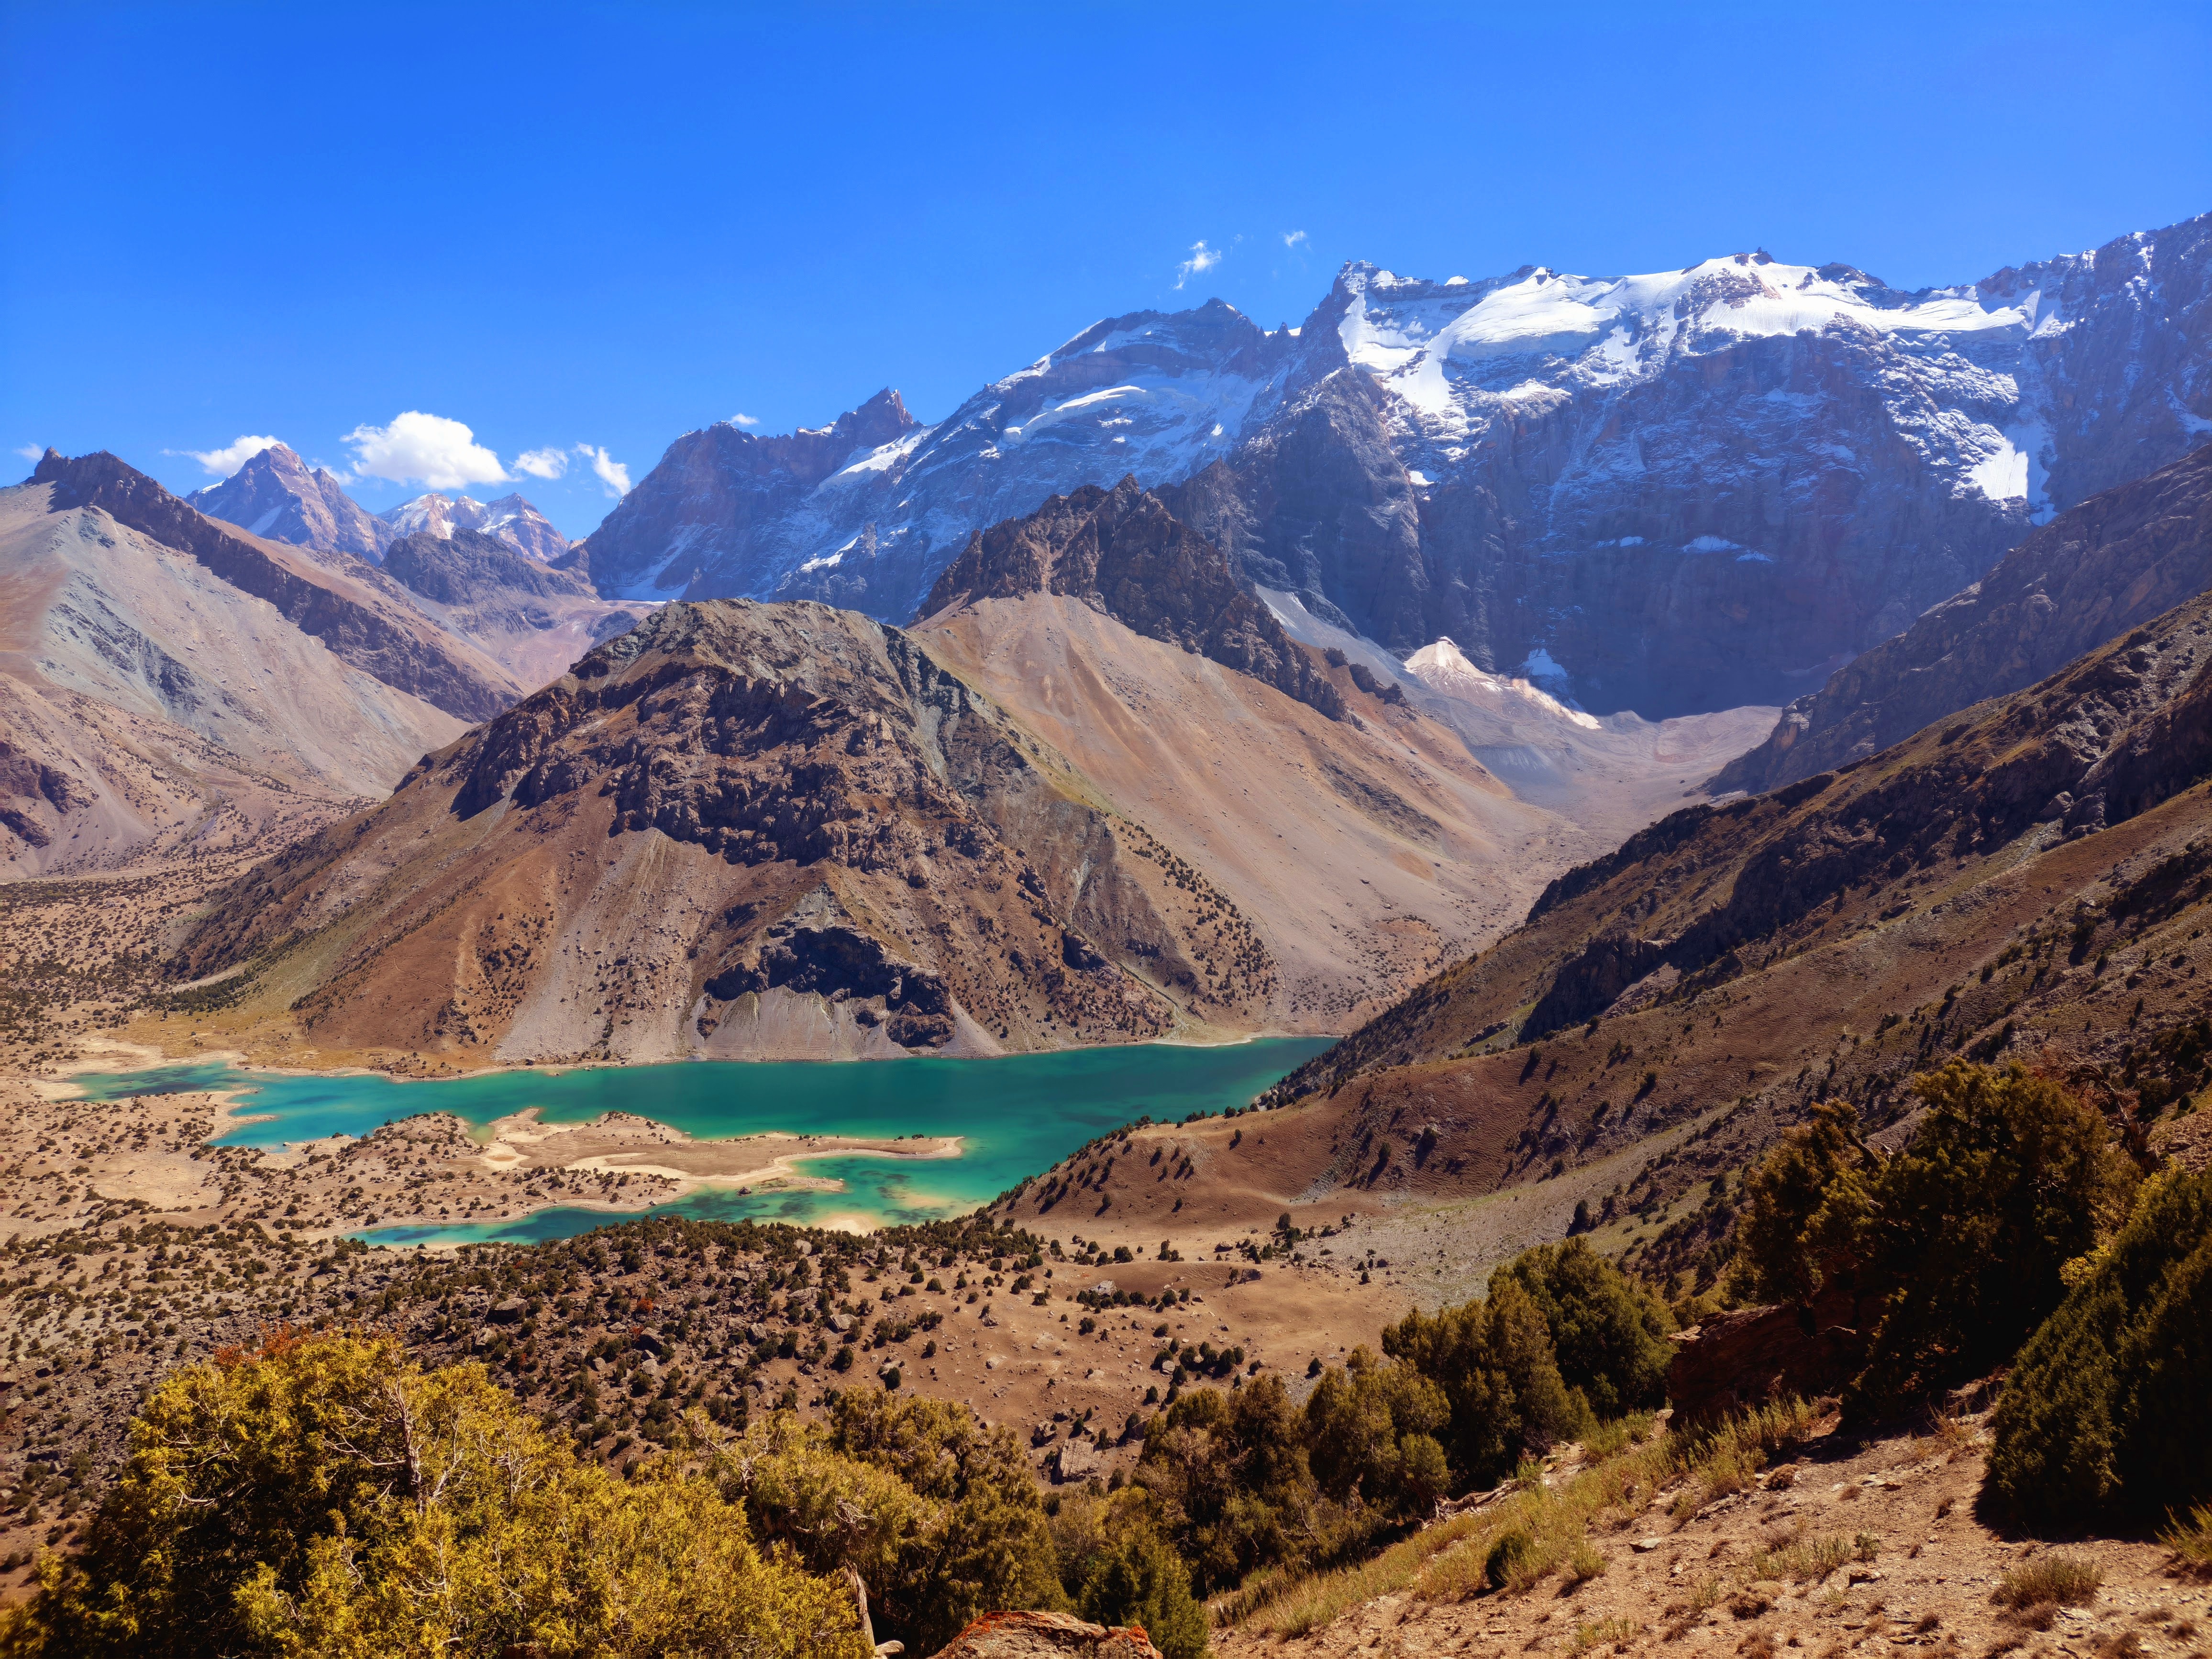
[{"x": 1458, "y": 353}]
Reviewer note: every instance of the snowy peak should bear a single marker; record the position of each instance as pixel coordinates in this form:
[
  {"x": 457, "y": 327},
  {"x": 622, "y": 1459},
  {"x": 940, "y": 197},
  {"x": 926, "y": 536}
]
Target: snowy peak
[
  {"x": 510, "y": 518},
  {"x": 277, "y": 495}
]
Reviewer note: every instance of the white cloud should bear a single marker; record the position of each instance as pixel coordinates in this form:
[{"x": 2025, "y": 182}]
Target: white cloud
[
  {"x": 1292, "y": 238},
  {"x": 29, "y": 451},
  {"x": 745, "y": 420},
  {"x": 543, "y": 463},
  {"x": 611, "y": 472},
  {"x": 423, "y": 448},
  {"x": 227, "y": 460},
  {"x": 1202, "y": 258}
]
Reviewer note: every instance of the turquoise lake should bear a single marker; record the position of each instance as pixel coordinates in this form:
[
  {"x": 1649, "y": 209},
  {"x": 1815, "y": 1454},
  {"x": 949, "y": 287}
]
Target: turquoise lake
[{"x": 1017, "y": 1115}]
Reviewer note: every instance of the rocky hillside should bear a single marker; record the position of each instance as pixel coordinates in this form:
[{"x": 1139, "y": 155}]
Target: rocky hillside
[
  {"x": 740, "y": 831},
  {"x": 197, "y": 695},
  {"x": 1121, "y": 552},
  {"x": 1669, "y": 492},
  {"x": 277, "y": 495},
  {"x": 2096, "y": 571},
  {"x": 363, "y": 619},
  {"x": 2029, "y": 882}
]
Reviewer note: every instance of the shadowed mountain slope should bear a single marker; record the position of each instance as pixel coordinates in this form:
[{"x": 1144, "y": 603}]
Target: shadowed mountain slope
[
  {"x": 2115, "y": 561},
  {"x": 534, "y": 620}
]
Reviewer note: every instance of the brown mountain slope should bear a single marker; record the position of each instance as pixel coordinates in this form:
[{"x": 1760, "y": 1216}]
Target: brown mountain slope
[
  {"x": 2032, "y": 881},
  {"x": 1363, "y": 851},
  {"x": 147, "y": 705},
  {"x": 2093, "y": 573},
  {"x": 1122, "y": 552},
  {"x": 739, "y": 830}
]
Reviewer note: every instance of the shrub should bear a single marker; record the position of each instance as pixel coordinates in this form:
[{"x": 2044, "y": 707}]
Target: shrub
[
  {"x": 1511, "y": 1554},
  {"x": 1500, "y": 1378},
  {"x": 2010, "y": 1177},
  {"x": 2189, "y": 1537},
  {"x": 320, "y": 1496},
  {"x": 1608, "y": 1333},
  {"x": 1806, "y": 1211},
  {"x": 1958, "y": 1243},
  {"x": 1118, "y": 1569},
  {"x": 2103, "y": 1415},
  {"x": 940, "y": 1516}
]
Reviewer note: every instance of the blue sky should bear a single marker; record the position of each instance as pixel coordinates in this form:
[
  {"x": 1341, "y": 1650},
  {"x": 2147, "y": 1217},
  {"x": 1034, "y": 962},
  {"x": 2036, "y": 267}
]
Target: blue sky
[{"x": 572, "y": 226}]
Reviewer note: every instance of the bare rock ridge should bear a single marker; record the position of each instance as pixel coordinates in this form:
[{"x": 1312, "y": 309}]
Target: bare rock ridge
[
  {"x": 148, "y": 707},
  {"x": 738, "y": 830},
  {"x": 1121, "y": 552},
  {"x": 2114, "y": 563},
  {"x": 277, "y": 495},
  {"x": 1670, "y": 493},
  {"x": 363, "y": 624},
  {"x": 469, "y": 568}
]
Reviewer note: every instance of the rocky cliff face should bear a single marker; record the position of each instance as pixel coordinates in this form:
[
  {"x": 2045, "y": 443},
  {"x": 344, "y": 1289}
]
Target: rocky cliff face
[
  {"x": 278, "y": 496},
  {"x": 2113, "y": 563},
  {"x": 738, "y": 830},
  {"x": 1668, "y": 492},
  {"x": 1122, "y": 552},
  {"x": 721, "y": 494}
]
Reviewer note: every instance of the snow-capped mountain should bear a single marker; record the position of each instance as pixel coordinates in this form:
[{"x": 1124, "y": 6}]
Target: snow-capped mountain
[
  {"x": 278, "y": 496},
  {"x": 867, "y": 511},
  {"x": 510, "y": 518},
  {"x": 1668, "y": 492}
]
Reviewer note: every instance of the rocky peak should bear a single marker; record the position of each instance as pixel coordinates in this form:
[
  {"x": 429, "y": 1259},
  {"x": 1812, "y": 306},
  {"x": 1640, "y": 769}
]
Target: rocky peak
[
  {"x": 1121, "y": 552},
  {"x": 277, "y": 495}
]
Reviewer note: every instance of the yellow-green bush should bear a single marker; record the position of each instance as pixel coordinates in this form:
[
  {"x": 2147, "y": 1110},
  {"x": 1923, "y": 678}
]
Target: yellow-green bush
[{"x": 321, "y": 1496}]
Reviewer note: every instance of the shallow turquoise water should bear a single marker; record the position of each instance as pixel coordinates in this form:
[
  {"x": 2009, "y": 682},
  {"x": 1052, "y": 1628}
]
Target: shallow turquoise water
[{"x": 1017, "y": 1115}]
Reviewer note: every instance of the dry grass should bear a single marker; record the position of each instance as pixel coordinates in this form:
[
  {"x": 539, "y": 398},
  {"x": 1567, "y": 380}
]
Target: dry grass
[
  {"x": 1619, "y": 1632},
  {"x": 1810, "y": 1559},
  {"x": 2191, "y": 1540},
  {"x": 2059, "y": 1580},
  {"x": 1540, "y": 1531}
]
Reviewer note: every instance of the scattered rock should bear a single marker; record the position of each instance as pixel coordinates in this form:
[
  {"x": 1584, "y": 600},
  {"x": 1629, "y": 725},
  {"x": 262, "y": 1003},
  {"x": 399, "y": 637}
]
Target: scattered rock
[{"x": 1040, "y": 1635}]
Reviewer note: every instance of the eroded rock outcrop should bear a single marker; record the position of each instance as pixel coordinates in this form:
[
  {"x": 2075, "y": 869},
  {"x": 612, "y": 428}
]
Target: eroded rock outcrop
[{"x": 740, "y": 830}]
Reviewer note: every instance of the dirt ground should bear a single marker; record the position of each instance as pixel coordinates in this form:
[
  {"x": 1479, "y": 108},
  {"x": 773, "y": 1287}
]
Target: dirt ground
[{"x": 1720, "y": 1583}]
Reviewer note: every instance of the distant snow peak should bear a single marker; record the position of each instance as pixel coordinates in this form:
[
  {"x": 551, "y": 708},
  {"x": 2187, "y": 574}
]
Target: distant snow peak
[{"x": 510, "y": 518}]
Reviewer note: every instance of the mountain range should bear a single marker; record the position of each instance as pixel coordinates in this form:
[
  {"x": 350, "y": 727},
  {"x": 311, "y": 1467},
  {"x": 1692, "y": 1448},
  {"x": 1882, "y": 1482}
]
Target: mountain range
[
  {"x": 169, "y": 681},
  {"x": 1667, "y": 493},
  {"x": 277, "y": 495}
]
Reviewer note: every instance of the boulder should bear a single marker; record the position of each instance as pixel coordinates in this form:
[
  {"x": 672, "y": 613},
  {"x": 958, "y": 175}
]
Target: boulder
[
  {"x": 1046, "y": 1636},
  {"x": 1749, "y": 1356},
  {"x": 509, "y": 1312}
]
